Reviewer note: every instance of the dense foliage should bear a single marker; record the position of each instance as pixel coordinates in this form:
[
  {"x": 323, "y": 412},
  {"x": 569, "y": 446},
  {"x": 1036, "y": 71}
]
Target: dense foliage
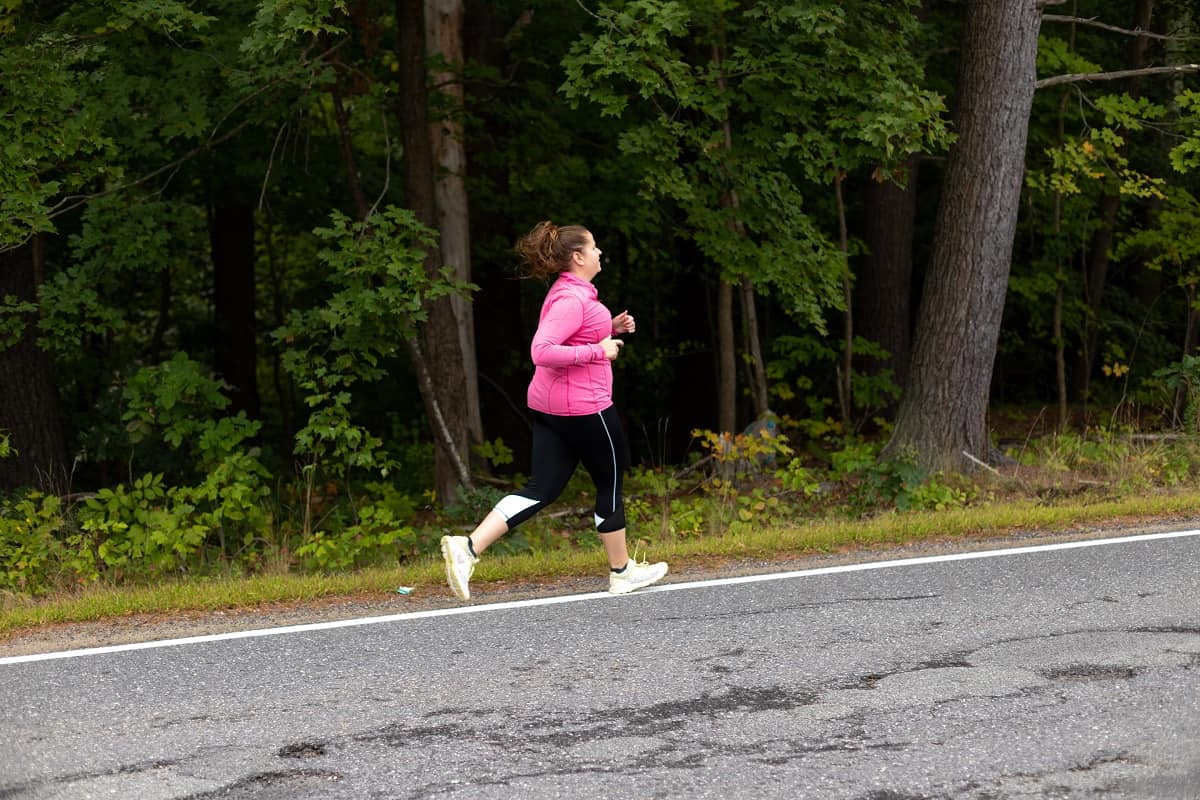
[{"x": 213, "y": 257}]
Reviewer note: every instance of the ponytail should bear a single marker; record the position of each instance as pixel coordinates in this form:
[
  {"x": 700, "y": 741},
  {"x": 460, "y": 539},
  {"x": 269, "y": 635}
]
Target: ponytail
[{"x": 547, "y": 248}]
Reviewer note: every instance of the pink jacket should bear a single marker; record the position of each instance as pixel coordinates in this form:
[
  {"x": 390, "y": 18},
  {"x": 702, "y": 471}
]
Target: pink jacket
[{"x": 572, "y": 377}]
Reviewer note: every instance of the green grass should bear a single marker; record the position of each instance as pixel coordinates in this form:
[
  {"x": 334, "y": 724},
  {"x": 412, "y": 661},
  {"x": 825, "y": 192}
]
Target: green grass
[{"x": 806, "y": 538}]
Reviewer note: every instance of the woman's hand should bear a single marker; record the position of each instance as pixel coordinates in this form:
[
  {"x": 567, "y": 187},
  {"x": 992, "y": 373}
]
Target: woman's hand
[
  {"x": 611, "y": 347},
  {"x": 623, "y": 323}
]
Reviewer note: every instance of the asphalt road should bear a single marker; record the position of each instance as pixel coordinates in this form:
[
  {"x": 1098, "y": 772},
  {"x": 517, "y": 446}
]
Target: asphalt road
[{"x": 1060, "y": 673}]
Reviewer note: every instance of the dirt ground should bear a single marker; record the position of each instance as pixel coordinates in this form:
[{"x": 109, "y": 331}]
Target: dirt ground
[{"x": 156, "y": 627}]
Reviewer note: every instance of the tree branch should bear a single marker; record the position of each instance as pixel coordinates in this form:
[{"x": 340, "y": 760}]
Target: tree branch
[
  {"x": 979, "y": 463},
  {"x": 439, "y": 420},
  {"x": 1115, "y": 76},
  {"x": 1104, "y": 26}
]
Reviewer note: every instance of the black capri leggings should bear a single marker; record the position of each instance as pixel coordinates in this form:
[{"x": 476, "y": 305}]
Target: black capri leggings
[{"x": 559, "y": 444}]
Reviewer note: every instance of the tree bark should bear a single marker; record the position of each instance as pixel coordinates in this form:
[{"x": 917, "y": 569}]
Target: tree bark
[
  {"x": 1189, "y": 344},
  {"x": 231, "y": 234},
  {"x": 439, "y": 335},
  {"x": 883, "y": 289},
  {"x": 726, "y": 360},
  {"x": 758, "y": 373},
  {"x": 942, "y": 419},
  {"x": 29, "y": 403},
  {"x": 444, "y": 34}
]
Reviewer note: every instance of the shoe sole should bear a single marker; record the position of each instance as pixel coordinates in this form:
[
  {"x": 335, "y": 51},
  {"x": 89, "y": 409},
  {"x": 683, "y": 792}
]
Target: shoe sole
[
  {"x": 460, "y": 591},
  {"x": 633, "y": 587}
]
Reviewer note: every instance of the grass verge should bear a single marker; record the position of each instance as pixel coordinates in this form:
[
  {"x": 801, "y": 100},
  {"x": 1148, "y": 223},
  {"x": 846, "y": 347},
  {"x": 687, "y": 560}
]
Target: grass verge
[{"x": 806, "y": 538}]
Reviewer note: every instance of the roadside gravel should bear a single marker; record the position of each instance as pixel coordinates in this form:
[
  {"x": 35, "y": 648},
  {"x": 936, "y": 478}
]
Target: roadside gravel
[{"x": 155, "y": 627}]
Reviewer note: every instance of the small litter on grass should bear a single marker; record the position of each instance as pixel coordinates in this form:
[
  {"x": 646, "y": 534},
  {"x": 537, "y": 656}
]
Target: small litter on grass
[{"x": 404, "y": 590}]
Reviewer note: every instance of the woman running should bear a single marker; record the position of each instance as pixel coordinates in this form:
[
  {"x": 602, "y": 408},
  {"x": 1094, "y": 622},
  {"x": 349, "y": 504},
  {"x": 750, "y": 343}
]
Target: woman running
[{"x": 570, "y": 399}]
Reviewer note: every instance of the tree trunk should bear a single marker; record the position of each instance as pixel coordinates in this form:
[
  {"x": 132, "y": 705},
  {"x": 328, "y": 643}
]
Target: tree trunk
[
  {"x": 883, "y": 288},
  {"x": 726, "y": 361},
  {"x": 444, "y": 34},
  {"x": 155, "y": 348},
  {"x": 729, "y": 200},
  {"x": 1095, "y": 276},
  {"x": 943, "y": 415},
  {"x": 1096, "y": 271},
  {"x": 882, "y": 300},
  {"x": 29, "y": 403},
  {"x": 1180, "y": 24},
  {"x": 486, "y": 41},
  {"x": 758, "y": 372},
  {"x": 353, "y": 179},
  {"x": 845, "y": 371},
  {"x": 440, "y": 333},
  {"x": 1060, "y": 358},
  {"x": 1189, "y": 344},
  {"x": 231, "y": 234},
  {"x": 1060, "y": 343}
]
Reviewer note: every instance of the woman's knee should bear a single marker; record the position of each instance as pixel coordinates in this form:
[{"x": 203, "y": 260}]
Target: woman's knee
[{"x": 611, "y": 523}]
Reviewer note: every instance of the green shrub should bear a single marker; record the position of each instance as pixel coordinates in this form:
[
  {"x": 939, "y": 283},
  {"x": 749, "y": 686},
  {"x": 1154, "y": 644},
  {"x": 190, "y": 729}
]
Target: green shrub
[
  {"x": 31, "y": 550},
  {"x": 376, "y": 537},
  {"x": 136, "y": 532},
  {"x": 223, "y": 494},
  {"x": 895, "y": 483}
]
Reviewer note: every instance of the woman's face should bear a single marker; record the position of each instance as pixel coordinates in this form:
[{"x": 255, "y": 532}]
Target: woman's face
[{"x": 585, "y": 262}]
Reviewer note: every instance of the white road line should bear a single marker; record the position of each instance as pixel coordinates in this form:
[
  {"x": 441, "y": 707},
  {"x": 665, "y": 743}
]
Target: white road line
[{"x": 574, "y": 598}]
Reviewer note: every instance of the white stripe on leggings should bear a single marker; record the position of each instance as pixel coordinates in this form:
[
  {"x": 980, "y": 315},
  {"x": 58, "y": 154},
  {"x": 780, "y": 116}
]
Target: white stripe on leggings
[
  {"x": 612, "y": 448},
  {"x": 512, "y": 504}
]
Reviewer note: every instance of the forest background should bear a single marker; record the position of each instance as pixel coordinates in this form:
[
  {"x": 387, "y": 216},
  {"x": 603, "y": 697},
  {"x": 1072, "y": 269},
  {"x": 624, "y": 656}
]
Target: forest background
[{"x": 259, "y": 308}]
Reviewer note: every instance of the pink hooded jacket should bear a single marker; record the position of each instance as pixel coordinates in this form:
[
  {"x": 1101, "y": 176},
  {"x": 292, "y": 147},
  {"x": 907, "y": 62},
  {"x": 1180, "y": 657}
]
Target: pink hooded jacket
[{"x": 572, "y": 377}]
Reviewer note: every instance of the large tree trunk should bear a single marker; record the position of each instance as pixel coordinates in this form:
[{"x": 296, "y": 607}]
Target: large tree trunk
[
  {"x": 29, "y": 401},
  {"x": 942, "y": 420},
  {"x": 231, "y": 233},
  {"x": 444, "y": 34},
  {"x": 445, "y": 395},
  {"x": 883, "y": 288}
]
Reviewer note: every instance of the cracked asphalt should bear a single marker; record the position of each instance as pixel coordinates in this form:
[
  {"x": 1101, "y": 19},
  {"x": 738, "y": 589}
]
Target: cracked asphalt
[{"x": 1072, "y": 673}]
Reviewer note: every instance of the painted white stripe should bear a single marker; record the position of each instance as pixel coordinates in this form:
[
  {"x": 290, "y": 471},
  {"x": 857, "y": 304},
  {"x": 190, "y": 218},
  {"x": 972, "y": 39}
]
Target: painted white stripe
[
  {"x": 512, "y": 504},
  {"x": 574, "y": 598}
]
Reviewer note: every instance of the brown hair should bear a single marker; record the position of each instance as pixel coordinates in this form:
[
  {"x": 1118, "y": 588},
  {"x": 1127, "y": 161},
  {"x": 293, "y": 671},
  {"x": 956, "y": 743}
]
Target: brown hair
[{"x": 548, "y": 248}]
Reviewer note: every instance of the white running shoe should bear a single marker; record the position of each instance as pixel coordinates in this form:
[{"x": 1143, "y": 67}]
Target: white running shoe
[
  {"x": 460, "y": 565},
  {"x": 636, "y": 576}
]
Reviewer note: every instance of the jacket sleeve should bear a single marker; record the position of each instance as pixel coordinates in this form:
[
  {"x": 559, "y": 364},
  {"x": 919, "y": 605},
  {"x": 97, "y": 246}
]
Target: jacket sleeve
[{"x": 563, "y": 319}]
